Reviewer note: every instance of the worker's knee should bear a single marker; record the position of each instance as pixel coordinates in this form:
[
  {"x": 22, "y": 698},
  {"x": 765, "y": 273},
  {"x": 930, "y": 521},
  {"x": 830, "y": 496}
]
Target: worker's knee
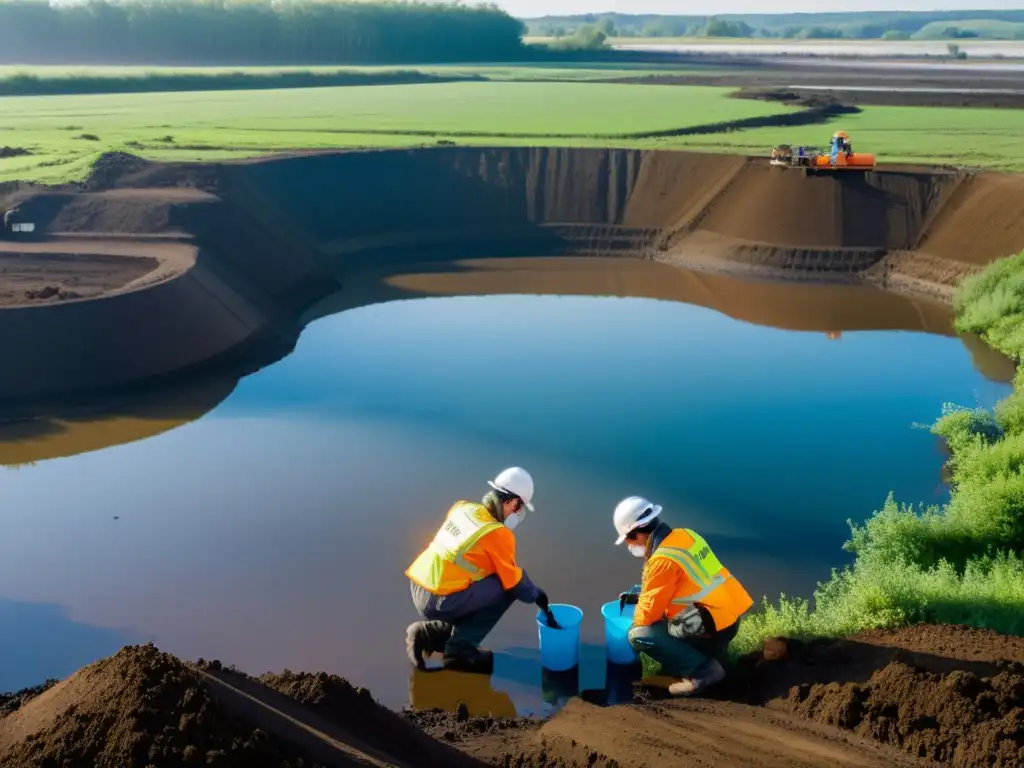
[{"x": 640, "y": 638}]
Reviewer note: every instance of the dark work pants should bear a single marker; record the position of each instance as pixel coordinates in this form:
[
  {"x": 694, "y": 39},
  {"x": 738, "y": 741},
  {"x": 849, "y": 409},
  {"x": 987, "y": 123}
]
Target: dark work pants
[
  {"x": 678, "y": 656},
  {"x": 473, "y": 612}
]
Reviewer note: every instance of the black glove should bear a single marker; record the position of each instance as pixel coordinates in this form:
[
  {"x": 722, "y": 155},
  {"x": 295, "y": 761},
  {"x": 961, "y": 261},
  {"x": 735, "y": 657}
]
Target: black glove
[
  {"x": 542, "y": 601},
  {"x": 628, "y": 598}
]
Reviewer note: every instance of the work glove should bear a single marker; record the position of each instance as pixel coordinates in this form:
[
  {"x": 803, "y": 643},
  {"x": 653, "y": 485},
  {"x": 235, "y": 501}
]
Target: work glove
[
  {"x": 544, "y": 605},
  {"x": 628, "y": 598}
]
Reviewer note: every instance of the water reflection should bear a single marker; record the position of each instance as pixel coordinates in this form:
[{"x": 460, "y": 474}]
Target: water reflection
[
  {"x": 40, "y": 640},
  {"x": 829, "y": 309}
]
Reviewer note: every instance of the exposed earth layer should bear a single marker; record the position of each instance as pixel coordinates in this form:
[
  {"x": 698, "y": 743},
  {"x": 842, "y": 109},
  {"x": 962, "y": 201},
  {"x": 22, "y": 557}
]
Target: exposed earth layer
[
  {"x": 164, "y": 269},
  {"x": 925, "y": 695}
]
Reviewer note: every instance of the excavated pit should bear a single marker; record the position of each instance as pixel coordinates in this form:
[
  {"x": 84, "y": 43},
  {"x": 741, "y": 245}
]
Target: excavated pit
[{"x": 242, "y": 249}]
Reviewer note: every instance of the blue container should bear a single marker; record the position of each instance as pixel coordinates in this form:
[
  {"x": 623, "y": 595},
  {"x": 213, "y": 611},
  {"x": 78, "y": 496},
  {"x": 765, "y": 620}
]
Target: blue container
[
  {"x": 616, "y": 627},
  {"x": 560, "y": 648}
]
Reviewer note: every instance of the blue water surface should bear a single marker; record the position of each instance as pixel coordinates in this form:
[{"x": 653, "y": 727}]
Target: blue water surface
[{"x": 274, "y": 531}]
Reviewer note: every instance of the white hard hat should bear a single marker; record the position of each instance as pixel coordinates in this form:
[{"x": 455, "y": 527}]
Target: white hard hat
[
  {"x": 517, "y": 481},
  {"x": 632, "y": 513}
]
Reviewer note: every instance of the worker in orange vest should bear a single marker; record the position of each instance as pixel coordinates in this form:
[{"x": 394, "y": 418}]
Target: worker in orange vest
[
  {"x": 466, "y": 579},
  {"x": 689, "y": 605}
]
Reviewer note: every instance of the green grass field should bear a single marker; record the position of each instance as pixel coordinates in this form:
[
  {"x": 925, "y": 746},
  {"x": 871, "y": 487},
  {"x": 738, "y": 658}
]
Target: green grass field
[
  {"x": 206, "y": 124},
  {"x": 988, "y": 138},
  {"x": 65, "y": 133}
]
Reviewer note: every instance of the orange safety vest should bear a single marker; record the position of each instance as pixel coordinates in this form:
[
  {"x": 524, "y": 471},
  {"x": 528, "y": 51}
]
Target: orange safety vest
[
  {"x": 700, "y": 579},
  {"x": 443, "y": 568}
]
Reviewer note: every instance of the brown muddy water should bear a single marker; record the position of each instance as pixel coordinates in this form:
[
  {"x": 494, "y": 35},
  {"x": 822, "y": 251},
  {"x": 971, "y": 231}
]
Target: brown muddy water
[{"x": 269, "y": 525}]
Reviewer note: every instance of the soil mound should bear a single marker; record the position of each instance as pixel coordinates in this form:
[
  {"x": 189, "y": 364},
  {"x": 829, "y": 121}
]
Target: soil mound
[
  {"x": 956, "y": 719},
  {"x": 138, "y": 707},
  {"x": 949, "y": 694}
]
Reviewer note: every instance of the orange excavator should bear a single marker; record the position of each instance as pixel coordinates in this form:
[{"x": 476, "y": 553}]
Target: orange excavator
[{"x": 840, "y": 157}]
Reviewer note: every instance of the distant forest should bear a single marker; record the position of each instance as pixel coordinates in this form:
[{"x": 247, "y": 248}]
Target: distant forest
[
  {"x": 299, "y": 32},
  {"x": 866, "y": 25}
]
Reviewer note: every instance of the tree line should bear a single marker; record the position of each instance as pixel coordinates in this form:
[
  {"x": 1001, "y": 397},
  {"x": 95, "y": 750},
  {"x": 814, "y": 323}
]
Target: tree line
[
  {"x": 299, "y": 32},
  {"x": 864, "y": 25}
]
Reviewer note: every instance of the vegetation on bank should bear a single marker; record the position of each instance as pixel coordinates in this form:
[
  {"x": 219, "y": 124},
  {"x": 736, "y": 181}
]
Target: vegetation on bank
[
  {"x": 255, "y": 32},
  {"x": 30, "y": 84},
  {"x": 860, "y": 25},
  {"x": 961, "y": 563}
]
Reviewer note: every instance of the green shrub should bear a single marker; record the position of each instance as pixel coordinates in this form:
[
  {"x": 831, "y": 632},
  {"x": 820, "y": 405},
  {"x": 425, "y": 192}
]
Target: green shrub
[{"x": 957, "y": 563}]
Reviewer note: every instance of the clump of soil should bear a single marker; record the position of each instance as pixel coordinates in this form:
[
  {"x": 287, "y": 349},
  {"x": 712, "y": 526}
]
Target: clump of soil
[
  {"x": 52, "y": 292},
  {"x": 139, "y": 707},
  {"x": 459, "y": 726},
  {"x": 6, "y": 152},
  {"x": 956, "y": 718}
]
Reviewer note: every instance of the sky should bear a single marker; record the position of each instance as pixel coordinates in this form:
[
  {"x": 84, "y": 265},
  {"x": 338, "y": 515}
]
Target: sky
[{"x": 530, "y": 8}]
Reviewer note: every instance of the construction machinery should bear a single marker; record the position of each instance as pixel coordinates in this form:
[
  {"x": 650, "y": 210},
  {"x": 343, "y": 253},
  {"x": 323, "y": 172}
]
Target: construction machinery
[
  {"x": 840, "y": 157},
  {"x": 13, "y": 225}
]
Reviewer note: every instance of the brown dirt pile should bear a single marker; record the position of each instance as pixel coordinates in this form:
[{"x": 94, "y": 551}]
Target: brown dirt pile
[
  {"x": 139, "y": 707},
  {"x": 949, "y": 694},
  {"x": 956, "y": 718}
]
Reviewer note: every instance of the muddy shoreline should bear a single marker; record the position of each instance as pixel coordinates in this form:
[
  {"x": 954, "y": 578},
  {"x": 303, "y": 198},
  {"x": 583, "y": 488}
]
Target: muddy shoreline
[
  {"x": 919, "y": 696},
  {"x": 168, "y": 268}
]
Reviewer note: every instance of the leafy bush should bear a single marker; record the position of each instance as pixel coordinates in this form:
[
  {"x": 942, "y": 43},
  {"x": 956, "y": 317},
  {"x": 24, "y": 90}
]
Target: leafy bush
[{"x": 957, "y": 563}]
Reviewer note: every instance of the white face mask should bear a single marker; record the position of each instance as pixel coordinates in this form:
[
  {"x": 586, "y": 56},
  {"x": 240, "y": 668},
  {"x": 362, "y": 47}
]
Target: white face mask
[
  {"x": 511, "y": 521},
  {"x": 637, "y": 550}
]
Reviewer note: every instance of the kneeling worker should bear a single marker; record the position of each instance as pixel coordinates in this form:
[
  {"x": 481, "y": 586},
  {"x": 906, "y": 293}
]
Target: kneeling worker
[
  {"x": 689, "y": 605},
  {"x": 467, "y": 578}
]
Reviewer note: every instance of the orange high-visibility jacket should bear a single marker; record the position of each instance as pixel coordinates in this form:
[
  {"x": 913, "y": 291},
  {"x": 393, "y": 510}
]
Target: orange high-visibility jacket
[
  {"x": 683, "y": 571},
  {"x": 471, "y": 545}
]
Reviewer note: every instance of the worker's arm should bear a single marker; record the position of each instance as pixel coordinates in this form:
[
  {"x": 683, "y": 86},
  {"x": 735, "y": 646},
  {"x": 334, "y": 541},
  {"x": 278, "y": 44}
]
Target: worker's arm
[
  {"x": 500, "y": 548},
  {"x": 661, "y": 580}
]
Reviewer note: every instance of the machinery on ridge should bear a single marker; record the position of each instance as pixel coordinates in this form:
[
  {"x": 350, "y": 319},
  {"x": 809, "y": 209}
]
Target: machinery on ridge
[{"x": 840, "y": 157}]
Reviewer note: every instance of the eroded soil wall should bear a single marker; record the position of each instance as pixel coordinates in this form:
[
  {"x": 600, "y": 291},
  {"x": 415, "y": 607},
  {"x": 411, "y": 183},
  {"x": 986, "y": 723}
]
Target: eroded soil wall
[{"x": 274, "y": 235}]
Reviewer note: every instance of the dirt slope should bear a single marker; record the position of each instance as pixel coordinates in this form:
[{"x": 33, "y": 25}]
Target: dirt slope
[
  {"x": 695, "y": 733},
  {"x": 983, "y": 221},
  {"x": 773, "y": 205}
]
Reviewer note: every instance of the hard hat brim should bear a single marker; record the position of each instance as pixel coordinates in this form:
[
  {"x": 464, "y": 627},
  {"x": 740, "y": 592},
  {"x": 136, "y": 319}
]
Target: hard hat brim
[
  {"x": 655, "y": 512},
  {"x": 527, "y": 504}
]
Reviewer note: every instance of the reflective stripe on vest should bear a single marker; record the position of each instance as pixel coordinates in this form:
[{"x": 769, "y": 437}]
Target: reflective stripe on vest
[
  {"x": 699, "y": 563},
  {"x": 465, "y": 525}
]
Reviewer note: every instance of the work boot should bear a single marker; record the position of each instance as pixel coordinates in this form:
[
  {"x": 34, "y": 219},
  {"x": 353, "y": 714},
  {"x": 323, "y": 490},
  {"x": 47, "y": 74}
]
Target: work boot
[
  {"x": 473, "y": 660},
  {"x": 707, "y": 675},
  {"x": 423, "y": 638}
]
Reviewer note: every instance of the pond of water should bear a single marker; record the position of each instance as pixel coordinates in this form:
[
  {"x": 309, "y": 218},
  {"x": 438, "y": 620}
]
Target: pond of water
[{"x": 274, "y": 530}]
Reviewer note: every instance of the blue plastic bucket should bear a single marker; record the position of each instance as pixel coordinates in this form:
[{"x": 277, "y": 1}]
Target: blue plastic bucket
[
  {"x": 560, "y": 648},
  {"x": 616, "y": 627}
]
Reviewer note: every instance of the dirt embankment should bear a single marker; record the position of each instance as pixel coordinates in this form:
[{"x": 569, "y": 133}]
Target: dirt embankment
[
  {"x": 196, "y": 261},
  {"x": 917, "y": 697}
]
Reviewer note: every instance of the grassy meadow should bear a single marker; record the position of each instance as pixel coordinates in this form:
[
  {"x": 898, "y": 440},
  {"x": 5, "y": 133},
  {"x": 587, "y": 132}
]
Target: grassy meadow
[
  {"x": 62, "y": 132},
  {"x": 509, "y": 104}
]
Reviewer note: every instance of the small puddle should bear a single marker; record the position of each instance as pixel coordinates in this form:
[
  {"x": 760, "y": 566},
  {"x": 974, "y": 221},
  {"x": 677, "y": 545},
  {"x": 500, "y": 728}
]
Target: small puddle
[{"x": 269, "y": 526}]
